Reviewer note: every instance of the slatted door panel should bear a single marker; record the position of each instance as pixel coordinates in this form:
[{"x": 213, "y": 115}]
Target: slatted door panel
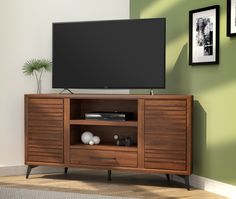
[
  {"x": 165, "y": 134},
  {"x": 45, "y": 130}
]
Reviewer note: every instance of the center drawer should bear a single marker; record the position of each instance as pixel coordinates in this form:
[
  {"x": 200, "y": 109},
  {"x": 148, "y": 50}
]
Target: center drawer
[{"x": 103, "y": 158}]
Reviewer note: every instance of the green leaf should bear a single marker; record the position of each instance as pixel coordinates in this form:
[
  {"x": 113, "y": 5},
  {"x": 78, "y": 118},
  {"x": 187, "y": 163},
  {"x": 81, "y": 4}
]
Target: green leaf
[{"x": 36, "y": 65}]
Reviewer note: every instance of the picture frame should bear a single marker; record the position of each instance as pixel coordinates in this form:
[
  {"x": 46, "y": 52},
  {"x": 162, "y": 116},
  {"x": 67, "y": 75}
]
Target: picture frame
[
  {"x": 204, "y": 36},
  {"x": 231, "y": 18}
]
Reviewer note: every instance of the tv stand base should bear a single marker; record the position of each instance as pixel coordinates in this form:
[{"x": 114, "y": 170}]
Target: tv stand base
[
  {"x": 66, "y": 89},
  {"x": 151, "y": 92}
]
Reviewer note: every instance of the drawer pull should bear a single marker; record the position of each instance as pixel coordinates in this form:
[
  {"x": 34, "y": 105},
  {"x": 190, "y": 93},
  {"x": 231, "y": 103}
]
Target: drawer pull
[{"x": 102, "y": 159}]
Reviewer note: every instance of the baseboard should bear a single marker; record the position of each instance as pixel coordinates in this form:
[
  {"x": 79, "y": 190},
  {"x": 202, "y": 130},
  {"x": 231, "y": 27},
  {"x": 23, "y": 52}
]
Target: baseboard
[
  {"x": 210, "y": 185},
  {"x": 21, "y": 170}
]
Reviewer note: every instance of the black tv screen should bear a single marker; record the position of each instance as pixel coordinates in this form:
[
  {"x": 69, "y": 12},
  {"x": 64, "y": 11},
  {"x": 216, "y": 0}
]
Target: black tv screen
[{"x": 109, "y": 54}]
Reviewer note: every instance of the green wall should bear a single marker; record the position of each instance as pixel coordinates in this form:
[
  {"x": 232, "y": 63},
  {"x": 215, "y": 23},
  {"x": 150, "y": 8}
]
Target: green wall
[{"x": 213, "y": 86}]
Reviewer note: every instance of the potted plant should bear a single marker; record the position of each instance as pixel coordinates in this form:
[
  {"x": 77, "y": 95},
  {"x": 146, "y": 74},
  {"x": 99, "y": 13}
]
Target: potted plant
[{"x": 37, "y": 67}]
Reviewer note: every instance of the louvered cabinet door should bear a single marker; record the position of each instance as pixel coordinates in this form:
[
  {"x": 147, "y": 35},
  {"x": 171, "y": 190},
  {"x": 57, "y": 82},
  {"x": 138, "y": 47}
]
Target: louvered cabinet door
[
  {"x": 165, "y": 134},
  {"x": 44, "y": 130}
]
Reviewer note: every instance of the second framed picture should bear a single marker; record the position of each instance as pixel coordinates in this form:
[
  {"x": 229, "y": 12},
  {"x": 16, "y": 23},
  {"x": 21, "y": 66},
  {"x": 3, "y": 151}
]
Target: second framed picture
[
  {"x": 231, "y": 18},
  {"x": 204, "y": 36}
]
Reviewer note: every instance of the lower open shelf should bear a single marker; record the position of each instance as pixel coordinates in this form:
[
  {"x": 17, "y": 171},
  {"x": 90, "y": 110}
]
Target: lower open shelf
[{"x": 104, "y": 147}]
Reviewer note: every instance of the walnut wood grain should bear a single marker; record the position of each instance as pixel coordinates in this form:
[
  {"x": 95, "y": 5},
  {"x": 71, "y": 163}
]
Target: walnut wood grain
[
  {"x": 26, "y": 126},
  {"x": 103, "y": 123},
  {"x": 107, "y": 96},
  {"x": 189, "y": 146},
  {"x": 66, "y": 131},
  {"x": 141, "y": 133},
  {"x": 165, "y": 135},
  {"x": 161, "y": 131},
  {"x": 103, "y": 158},
  {"x": 44, "y": 130},
  {"x": 105, "y": 147}
]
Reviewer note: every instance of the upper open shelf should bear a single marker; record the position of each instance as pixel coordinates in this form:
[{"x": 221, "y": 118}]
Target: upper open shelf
[{"x": 79, "y": 107}]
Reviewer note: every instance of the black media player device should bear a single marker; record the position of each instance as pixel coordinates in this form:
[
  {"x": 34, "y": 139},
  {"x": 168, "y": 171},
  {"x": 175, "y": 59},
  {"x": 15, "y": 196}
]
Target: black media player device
[{"x": 110, "y": 116}]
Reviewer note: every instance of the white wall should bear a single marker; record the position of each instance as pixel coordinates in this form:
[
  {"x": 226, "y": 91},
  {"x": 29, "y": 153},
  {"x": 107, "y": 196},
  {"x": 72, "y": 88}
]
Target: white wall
[{"x": 26, "y": 32}]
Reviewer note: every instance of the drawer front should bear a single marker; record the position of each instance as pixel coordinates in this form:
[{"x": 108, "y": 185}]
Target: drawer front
[
  {"x": 103, "y": 158},
  {"x": 45, "y": 130},
  {"x": 165, "y": 134}
]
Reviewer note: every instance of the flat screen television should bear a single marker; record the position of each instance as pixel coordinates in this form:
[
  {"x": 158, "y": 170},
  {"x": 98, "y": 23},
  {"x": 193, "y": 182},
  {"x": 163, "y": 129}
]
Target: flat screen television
[{"x": 116, "y": 54}]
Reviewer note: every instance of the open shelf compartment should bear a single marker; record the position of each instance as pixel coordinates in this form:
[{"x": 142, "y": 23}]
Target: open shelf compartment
[
  {"x": 105, "y": 133},
  {"x": 79, "y": 107}
]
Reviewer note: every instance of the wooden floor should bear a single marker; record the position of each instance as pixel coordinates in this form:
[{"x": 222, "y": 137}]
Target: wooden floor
[{"x": 95, "y": 182}]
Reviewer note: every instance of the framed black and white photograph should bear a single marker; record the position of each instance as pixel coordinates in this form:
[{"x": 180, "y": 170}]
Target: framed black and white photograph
[
  {"x": 204, "y": 36},
  {"x": 231, "y": 18}
]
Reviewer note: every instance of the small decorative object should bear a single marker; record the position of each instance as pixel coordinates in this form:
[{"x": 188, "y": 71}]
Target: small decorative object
[
  {"x": 96, "y": 139},
  {"x": 231, "y": 18},
  {"x": 86, "y": 137},
  {"x": 126, "y": 141},
  {"x": 37, "y": 67},
  {"x": 116, "y": 137},
  {"x": 91, "y": 142},
  {"x": 204, "y": 36}
]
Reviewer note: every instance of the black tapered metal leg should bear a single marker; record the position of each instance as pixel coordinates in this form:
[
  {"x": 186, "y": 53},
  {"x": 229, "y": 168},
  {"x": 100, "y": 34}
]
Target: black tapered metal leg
[
  {"x": 66, "y": 170},
  {"x": 168, "y": 177},
  {"x": 109, "y": 175},
  {"x": 187, "y": 185},
  {"x": 186, "y": 180},
  {"x": 30, "y": 167}
]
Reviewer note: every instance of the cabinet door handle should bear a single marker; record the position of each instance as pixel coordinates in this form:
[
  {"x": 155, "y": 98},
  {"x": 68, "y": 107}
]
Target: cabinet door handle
[{"x": 102, "y": 159}]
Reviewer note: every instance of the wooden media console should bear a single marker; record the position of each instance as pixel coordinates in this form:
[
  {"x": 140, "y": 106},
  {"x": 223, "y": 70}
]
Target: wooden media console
[{"x": 160, "y": 131}]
